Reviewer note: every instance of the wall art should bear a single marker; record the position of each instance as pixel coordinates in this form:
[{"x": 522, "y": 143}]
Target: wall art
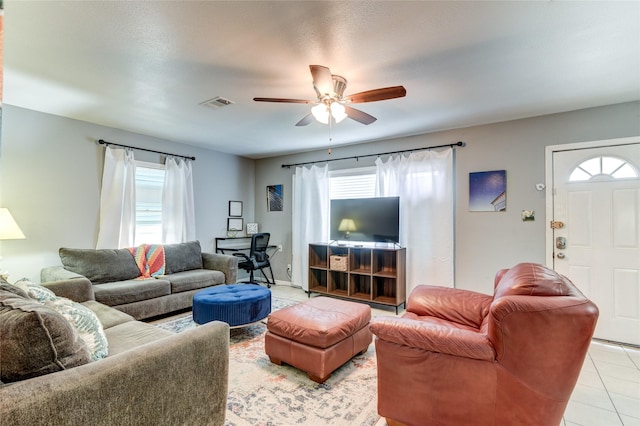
[
  {"x": 488, "y": 191},
  {"x": 274, "y": 198},
  {"x": 235, "y": 208}
]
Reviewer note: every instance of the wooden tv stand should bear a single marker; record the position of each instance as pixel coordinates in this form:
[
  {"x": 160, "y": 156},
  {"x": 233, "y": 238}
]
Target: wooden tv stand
[{"x": 370, "y": 274}]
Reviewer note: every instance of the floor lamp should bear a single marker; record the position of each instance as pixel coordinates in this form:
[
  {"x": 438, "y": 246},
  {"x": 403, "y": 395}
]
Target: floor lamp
[{"x": 9, "y": 230}]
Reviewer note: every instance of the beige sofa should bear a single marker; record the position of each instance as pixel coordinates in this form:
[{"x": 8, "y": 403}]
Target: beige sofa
[
  {"x": 115, "y": 277},
  {"x": 150, "y": 376}
]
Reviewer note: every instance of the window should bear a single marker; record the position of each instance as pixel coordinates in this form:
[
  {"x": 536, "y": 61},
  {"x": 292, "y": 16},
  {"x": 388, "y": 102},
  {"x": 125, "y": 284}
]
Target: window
[
  {"x": 353, "y": 183},
  {"x": 603, "y": 168},
  {"x": 149, "y": 184}
]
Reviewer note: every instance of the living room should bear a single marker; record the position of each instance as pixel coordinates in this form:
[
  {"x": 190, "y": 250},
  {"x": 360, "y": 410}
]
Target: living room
[{"x": 51, "y": 166}]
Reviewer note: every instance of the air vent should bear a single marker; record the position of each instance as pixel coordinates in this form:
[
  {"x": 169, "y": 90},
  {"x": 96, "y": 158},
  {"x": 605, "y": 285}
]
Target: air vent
[{"x": 217, "y": 102}]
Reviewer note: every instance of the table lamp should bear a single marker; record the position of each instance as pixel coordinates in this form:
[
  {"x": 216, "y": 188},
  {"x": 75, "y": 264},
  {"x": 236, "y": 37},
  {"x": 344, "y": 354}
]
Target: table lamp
[
  {"x": 346, "y": 226},
  {"x": 9, "y": 230}
]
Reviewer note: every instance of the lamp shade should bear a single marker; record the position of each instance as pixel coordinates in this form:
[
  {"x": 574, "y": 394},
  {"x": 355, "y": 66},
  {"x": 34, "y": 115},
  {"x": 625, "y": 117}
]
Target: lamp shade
[
  {"x": 9, "y": 229},
  {"x": 321, "y": 113},
  {"x": 324, "y": 111},
  {"x": 338, "y": 111},
  {"x": 347, "y": 225}
]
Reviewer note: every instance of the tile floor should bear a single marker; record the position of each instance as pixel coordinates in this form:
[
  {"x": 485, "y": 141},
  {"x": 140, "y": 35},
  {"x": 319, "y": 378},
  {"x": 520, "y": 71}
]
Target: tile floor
[{"x": 607, "y": 392}]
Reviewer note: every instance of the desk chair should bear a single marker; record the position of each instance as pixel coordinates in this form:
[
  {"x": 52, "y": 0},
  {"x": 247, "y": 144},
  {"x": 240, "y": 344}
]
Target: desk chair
[{"x": 258, "y": 258}]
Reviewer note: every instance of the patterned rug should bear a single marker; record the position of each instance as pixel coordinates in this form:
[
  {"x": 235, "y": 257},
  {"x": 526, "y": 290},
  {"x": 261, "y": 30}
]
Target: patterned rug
[{"x": 265, "y": 394}]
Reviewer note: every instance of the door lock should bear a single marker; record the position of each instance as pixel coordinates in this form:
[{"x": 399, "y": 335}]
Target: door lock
[
  {"x": 561, "y": 243},
  {"x": 560, "y": 255}
]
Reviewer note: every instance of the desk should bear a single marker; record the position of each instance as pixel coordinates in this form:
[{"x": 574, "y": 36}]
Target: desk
[{"x": 235, "y": 244}]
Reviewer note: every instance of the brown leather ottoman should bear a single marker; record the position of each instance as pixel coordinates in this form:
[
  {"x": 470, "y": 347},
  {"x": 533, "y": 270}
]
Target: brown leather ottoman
[{"x": 319, "y": 335}]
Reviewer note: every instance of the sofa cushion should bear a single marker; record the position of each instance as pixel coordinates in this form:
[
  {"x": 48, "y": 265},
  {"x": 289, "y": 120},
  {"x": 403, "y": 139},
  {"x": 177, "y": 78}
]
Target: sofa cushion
[
  {"x": 107, "y": 316},
  {"x": 194, "y": 279},
  {"x": 531, "y": 279},
  {"x": 100, "y": 266},
  {"x": 128, "y": 335},
  {"x": 36, "y": 340},
  {"x": 182, "y": 257},
  {"x": 123, "y": 292}
]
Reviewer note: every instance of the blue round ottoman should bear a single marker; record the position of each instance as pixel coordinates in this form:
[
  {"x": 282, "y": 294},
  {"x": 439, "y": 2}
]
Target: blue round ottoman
[{"x": 235, "y": 304}]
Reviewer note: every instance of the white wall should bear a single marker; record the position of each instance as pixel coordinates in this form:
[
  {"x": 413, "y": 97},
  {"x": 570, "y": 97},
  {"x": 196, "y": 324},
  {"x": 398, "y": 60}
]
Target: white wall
[
  {"x": 50, "y": 178},
  {"x": 485, "y": 242}
]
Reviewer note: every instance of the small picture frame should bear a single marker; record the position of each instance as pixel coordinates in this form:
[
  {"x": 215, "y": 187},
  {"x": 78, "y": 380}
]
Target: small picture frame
[
  {"x": 235, "y": 208},
  {"x": 274, "y": 198},
  {"x": 528, "y": 215},
  {"x": 235, "y": 224},
  {"x": 252, "y": 228}
]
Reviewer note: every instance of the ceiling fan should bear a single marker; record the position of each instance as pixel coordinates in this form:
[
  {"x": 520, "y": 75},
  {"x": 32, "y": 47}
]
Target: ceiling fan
[{"x": 331, "y": 102}]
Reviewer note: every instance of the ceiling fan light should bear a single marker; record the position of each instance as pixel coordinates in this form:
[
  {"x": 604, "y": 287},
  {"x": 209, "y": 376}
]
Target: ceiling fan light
[
  {"x": 321, "y": 113},
  {"x": 338, "y": 112}
]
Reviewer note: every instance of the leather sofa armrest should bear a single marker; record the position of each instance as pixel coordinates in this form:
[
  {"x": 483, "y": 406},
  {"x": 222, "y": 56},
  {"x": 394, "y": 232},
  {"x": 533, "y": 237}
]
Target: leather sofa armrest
[
  {"x": 451, "y": 304},
  {"x": 433, "y": 337},
  {"x": 181, "y": 379},
  {"x": 535, "y": 314},
  {"x": 67, "y": 284},
  {"x": 551, "y": 334},
  {"x": 498, "y": 277},
  {"x": 222, "y": 262}
]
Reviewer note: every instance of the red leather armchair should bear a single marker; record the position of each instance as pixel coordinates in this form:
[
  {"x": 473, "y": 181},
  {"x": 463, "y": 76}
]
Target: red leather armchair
[{"x": 458, "y": 357}]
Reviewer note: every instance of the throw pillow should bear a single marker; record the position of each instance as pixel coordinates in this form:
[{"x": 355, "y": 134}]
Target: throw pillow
[
  {"x": 36, "y": 340},
  {"x": 85, "y": 322},
  {"x": 83, "y": 319},
  {"x": 10, "y": 290},
  {"x": 35, "y": 291}
]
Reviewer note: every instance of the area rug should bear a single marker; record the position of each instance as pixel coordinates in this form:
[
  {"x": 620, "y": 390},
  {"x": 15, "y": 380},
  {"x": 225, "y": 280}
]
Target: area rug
[{"x": 265, "y": 394}]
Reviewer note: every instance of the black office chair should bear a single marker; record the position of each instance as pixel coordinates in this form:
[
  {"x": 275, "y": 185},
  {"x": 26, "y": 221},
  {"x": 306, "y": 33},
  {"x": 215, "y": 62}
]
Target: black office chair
[{"x": 258, "y": 258}]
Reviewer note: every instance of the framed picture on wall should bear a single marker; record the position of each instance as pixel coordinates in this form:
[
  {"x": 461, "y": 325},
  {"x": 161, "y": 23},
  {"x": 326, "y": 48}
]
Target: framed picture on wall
[
  {"x": 235, "y": 208},
  {"x": 252, "y": 228},
  {"x": 488, "y": 191},
  {"x": 274, "y": 198},
  {"x": 234, "y": 224}
]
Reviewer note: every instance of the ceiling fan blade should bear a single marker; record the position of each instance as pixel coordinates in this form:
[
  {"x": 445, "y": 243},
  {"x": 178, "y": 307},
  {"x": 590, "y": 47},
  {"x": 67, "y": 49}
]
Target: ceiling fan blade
[
  {"x": 306, "y": 120},
  {"x": 290, "y": 101},
  {"x": 322, "y": 80},
  {"x": 377, "y": 95},
  {"x": 359, "y": 116}
]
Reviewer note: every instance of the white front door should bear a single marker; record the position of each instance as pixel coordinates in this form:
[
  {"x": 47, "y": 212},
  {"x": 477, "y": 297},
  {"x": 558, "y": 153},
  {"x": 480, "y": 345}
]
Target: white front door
[{"x": 595, "y": 236}]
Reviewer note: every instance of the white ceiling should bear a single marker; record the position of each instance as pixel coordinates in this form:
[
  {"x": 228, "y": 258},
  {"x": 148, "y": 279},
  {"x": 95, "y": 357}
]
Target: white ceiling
[{"x": 145, "y": 66}]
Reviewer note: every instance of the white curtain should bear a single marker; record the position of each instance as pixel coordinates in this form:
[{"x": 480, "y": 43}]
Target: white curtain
[
  {"x": 424, "y": 182},
  {"x": 310, "y": 218},
  {"x": 117, "y": 200},
  {"x": 178, "y": 214}
]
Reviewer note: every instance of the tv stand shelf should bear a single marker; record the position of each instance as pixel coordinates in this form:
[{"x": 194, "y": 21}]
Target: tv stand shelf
[{"x": 371, "y": 274}]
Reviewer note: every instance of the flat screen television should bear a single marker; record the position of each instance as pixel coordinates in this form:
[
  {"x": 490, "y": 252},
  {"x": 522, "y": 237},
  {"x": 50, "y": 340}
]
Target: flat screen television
[{"x": 365, "y": 220}]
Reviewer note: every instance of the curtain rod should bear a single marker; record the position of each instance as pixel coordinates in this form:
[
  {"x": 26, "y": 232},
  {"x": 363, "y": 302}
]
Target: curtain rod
[
  {"x": 356, "y": 157},
  {"x": 103, "y": 142}
]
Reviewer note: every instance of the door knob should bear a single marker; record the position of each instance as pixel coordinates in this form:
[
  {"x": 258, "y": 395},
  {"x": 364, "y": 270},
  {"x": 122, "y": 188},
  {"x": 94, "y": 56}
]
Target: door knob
[{"x": 560, "y": 255}]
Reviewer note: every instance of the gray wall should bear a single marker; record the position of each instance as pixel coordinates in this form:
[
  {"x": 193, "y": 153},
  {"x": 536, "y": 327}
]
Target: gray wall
[
  {"x": 485, "y": 242},
  {"x": 50, "y": 177},
  {"x": 50, "y": 173}
]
